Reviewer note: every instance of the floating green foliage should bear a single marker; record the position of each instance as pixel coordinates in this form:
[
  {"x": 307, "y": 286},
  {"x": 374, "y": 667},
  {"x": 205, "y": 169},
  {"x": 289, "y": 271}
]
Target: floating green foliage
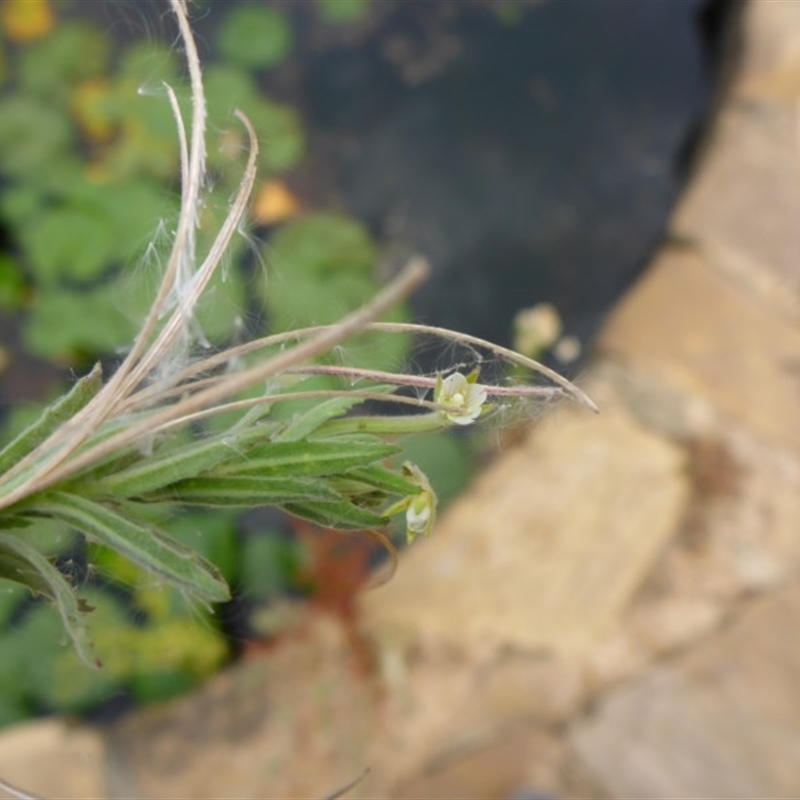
[
  {"x": 33, "y": 135},
  {"x": 173, "y": 651},
  {"x": 278, "y": 126},
  {"x": 13, "y": 287},
  {"x": 71, "y": 326},
  {"x": 322, "y": 266},
  {"x": 255, "y": 36},
  {"x": 74, "y": 52},
  {"x": 68, "y": 243},
  {"x": 343, "y": 11}
]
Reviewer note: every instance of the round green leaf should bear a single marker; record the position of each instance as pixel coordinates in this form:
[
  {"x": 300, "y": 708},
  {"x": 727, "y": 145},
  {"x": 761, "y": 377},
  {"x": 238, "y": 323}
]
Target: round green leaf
[
  {"x": 319, "y": 269},
  {"x": 341, "y": 11},
  {"x": 74, "y": 52},
  {"x": 68, "y": 242},
  {"x": 65, "y": 323},
  {"x": 32, "y": 137},
  {"x": 322, "y": 245},
  {"x": 280, "y": 132},
  {"x": 278, "y": 127},
  {"x": 254, "y": 36}
]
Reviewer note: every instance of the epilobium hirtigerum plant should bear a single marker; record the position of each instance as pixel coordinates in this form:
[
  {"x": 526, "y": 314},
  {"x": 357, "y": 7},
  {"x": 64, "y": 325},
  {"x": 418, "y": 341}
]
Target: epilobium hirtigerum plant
[{"x": 175, "y": 425}]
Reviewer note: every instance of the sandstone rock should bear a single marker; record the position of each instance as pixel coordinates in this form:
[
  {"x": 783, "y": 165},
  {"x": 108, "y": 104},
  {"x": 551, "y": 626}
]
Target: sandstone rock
[
  {"x": 721, "y": 721},
  {"x": 291, "y": 724},
  {"x": 770, "y": 41},
  {"x": 450, "y": 706},
  {"x": 690, "y": 328},
  {"x": 524, "y": 756},
  {"x": 741, "y": 209},
  {"x": 53, "y": 759}
]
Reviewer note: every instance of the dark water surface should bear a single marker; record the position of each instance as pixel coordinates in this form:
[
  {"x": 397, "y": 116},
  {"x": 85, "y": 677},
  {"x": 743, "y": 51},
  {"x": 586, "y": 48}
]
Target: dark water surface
[{"x": 535, "y": 161}]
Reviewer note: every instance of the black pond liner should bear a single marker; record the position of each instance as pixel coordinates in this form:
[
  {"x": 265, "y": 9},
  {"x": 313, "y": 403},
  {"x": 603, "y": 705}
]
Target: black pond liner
[{"x": 539, "y": 162}]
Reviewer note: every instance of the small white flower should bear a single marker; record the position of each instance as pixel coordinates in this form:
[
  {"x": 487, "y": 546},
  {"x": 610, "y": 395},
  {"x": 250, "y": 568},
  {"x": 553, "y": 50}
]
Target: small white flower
[
  {"x": 418, "y": 514},
  {"x": 421, "y": 507},
  {"x": 463, "y": 397},
  {"x": 536, "y": 329}
]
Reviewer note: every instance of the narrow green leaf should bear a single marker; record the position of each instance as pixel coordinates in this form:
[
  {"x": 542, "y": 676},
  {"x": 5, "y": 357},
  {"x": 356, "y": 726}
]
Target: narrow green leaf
[
  {"x": 383, "y": 478},
  {"x": 309, "y": 458},
  {"x": 24, "y": 564},
  {"x": 242, "y": 491},
  {"x": 8, "y": 522},
  {"x": 145, "y": 545},
  {"x": 304, "y": 425},
  {"x": 155, "y": 472},
  {"x": 340, "y": 514},
  {"x": 54, "y": 415},
  {"x": 357, "y": 492}
]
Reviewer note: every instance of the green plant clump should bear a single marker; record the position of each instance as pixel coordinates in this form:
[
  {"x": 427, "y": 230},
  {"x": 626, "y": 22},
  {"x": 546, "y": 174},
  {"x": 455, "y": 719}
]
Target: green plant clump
[{"x": 278, "y": 420}]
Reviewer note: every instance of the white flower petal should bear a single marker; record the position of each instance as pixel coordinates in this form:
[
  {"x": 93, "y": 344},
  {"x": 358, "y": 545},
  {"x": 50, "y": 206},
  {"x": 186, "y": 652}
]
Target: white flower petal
[{"x": 464, "y": 399}]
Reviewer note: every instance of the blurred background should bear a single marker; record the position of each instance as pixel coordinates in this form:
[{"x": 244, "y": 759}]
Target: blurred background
[{"x": 533, "y": 151}]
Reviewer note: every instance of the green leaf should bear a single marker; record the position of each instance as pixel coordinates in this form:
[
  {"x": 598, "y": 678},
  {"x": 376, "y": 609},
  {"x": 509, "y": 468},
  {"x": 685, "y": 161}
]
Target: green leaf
[
  {"x": 18, "y": 203},
  {"x": 223, "y": 304},
  {"x": 150, "y": 64},
  {"x": 306, "y": 423},
  {"x": 24, "y": 564},
  {"x": 155, "y": 687},
  {"x": 33, "y": 137},
  {"x": 322, "y": 268},
  {"x": 12, "y": 284},
  {"x": 65, "y": 323},
  {"x": 155, "y": 472},
  {"x": 68, "y": 243},
  {"x": 75, "y": 51},
  {"x": 51, "y": 418},
  {"x": 309, "y": 458},
  {"x": 255, "y": 37},
  {"x": 277, "y": 125},
  {"x": 382, "y": 478},
  {"x": 342, "y": 11},
  {"x": 134, "y": 209},
  {"x": 145, "y": 545},
  {"x": 12, "y": 595},
  {"x": 340, "y": 514},
  {"x": 322, "y": 245},
  {"x": 280, "y": 129},
  {"x": 27, "y": 656},
  {"x": 227, "y": 89},
  {"x": 63, "y": 683},
  {"x": 242, "y": 491},
  {"x": 212, "y": 534}
]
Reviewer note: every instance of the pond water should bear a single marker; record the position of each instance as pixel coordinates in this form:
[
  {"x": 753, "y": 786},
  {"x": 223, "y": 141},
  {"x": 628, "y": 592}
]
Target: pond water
[{"x": 534, "y": 160}]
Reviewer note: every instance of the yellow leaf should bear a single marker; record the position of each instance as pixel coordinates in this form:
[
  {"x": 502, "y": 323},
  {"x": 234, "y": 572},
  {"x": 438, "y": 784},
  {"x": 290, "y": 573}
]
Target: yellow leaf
[
  {"x": 90, "y": 106},
  {"x": 274, "y": 203},
  {"x": 26, "y": 20}
]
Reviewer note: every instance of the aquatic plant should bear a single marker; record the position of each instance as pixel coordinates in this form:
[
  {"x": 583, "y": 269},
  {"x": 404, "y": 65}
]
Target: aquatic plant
[{"x": 246, "y": 426}]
